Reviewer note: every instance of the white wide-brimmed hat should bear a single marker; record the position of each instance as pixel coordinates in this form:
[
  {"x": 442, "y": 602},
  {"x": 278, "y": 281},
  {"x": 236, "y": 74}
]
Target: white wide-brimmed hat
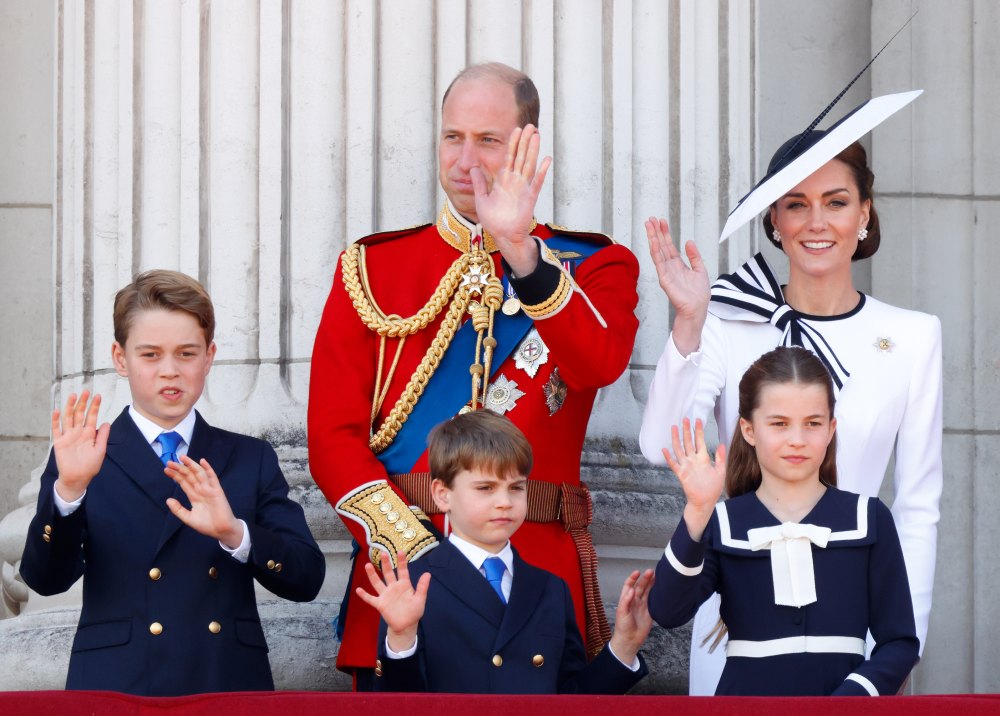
[{"x": 804, "y": 153}]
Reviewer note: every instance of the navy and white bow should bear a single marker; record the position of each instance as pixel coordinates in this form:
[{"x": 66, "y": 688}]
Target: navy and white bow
[{"x": 753, "y": 294}]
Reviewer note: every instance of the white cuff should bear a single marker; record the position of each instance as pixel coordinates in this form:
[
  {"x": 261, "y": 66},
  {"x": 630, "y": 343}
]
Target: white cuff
[
  {"x": 401, "y": 654},
  {"x": 679, "y": 567},
  {"x": 242, "y": 553},
  {"x": 692, "y": 357},
  {"x": 634, "y": 666},
  {"x": 865, "y": 683},
  {"x": 64, "y": 508}
]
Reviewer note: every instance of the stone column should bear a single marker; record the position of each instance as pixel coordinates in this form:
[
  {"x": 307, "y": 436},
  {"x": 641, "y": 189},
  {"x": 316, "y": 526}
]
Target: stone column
[
  {"x": 26, "y": 189},
  {"x": 940, "y": 185}
]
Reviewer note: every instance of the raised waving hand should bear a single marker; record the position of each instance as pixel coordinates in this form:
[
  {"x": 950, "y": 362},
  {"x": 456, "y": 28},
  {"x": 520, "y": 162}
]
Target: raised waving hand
[
  {"x": 506, "y": 207},
  {"x": 701, "y": 479},
  {"x": 687, "y": 287},
  {"x": 210, "y": 513},
  {"x": 79, "y": 445},
  {"x": 400, "y": 605},
  {"x": 632, "y": 619}
]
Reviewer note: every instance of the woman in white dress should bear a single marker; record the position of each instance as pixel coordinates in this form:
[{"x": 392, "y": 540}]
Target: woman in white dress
[{"x": 885, "y": 361}]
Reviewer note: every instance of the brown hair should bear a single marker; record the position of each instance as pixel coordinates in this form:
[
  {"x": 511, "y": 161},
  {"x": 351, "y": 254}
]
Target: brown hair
[
  {"x": 856, "y": 160},
  {"x": 165, "y": 290},
  {"x": 525, "y": 92},
  {"x": 480, "y": 440},
  {"x": 782, "y": 365}
]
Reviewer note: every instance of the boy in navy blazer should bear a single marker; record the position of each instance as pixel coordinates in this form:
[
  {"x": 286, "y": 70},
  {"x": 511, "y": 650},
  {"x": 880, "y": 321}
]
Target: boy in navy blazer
[
  {"x": 480, "y": 619},
  {"x": 167, "y": 519}
]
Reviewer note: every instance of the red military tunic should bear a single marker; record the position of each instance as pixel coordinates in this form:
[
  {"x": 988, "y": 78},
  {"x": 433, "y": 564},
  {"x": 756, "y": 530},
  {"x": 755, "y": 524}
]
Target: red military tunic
[{"x": 403, "y": 270}]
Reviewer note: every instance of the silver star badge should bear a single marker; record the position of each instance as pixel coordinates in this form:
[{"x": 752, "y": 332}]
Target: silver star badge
[
  {"x": 476, "y": 279},
  {"x": 502, "y": 395},
  {"x": 531, "y": 353}
]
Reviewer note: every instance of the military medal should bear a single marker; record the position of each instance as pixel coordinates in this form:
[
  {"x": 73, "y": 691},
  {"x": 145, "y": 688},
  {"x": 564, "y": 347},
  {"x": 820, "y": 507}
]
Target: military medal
[
  {"x": 555, "y": 392},
  {"x": 511, "y": 304},
  {"x": 476, "y": 278},
  {"x": 502, "y": 395},
  {"x": 531, "y": 353}
]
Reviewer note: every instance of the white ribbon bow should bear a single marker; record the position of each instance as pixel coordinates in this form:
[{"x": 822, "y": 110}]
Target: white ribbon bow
[{"x": 791, "y": 559}]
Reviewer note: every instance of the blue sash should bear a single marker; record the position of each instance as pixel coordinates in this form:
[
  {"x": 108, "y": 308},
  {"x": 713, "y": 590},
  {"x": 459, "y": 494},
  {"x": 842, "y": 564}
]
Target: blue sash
[{"x": 451, "y": 385}]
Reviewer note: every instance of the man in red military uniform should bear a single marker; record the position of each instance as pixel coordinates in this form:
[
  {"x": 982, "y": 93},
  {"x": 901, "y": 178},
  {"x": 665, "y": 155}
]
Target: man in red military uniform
[{"x": 484, "y": 308}]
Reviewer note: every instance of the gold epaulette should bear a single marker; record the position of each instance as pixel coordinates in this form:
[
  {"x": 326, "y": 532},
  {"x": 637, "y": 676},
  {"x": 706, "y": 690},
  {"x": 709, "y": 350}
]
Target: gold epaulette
[
  {"x": 562, "y": 294},
  {"x": 390, "y": 524}
]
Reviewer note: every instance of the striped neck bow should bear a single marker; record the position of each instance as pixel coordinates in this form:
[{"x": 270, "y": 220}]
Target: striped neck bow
[{"x": 753, "y": 294}]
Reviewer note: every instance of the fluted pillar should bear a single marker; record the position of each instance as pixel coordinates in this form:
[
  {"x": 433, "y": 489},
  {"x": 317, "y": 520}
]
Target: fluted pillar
[{"x": 941, "y": 199}]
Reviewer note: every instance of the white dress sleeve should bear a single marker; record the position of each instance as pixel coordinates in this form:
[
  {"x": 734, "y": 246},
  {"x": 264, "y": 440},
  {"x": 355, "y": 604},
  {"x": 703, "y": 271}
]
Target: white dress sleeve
[
  {"x": 918, "y": 478},
  {"x": 683, "y": 387}
]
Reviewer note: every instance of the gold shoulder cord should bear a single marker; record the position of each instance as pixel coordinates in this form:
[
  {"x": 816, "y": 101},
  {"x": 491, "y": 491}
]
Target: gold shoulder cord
[{"x": 472, "y": 273}]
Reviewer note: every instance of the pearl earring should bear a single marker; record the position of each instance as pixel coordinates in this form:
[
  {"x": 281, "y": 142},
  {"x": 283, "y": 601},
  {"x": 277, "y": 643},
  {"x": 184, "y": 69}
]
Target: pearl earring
[
  {"x": 862, "y": 234},
  {"x": 776, "y": 236}
]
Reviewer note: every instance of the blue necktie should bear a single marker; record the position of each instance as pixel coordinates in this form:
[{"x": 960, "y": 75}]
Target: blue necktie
[
  {"x": 494, "y": 568},
  {"x": 168, "y": 444}
]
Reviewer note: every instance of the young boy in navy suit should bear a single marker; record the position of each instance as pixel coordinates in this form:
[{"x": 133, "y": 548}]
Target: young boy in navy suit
[
  {"x": 168, "y": 519},
  {"x": 480, "y": 619}
]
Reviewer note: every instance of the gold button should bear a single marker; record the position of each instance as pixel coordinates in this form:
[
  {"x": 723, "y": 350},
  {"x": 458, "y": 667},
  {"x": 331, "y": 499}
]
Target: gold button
[
  {"x": 378, "y": 667},
  {"x": 277, "y": 567},
  {"x": 48, "y": 529},
  {"x": 46, "y": 538},
  {"x": 156, "y": 628},
  {"x": 497, "y": 660},
  {"x": 213, "y": 572},
  {"x": 214, "y": 627},
  {"x": 154, "y": 574},
  {"x": 538, "y": 660},
  {"x": 270, "y": 564}
]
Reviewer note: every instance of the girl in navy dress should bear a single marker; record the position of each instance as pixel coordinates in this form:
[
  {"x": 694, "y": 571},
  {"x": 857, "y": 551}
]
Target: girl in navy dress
[{"x": 804, "y": 570}]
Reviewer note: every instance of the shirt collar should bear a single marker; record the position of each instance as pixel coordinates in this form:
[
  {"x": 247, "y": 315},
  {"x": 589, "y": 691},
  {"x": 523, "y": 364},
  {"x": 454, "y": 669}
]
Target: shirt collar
[
  {"x": 150, "y": 430},
  {"x": 477, "y": 555}
]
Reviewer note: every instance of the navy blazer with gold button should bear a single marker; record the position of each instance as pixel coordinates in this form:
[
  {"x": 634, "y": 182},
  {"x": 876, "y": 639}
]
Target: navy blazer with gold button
[
  {"x": 166, "y": 611},
  {"x": 469, "y": 642}
]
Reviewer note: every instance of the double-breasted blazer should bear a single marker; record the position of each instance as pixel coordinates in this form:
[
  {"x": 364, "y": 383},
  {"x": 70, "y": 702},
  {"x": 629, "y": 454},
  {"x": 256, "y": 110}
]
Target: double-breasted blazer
[
  {"x": 166, "y": 610},
  {"x": 469, "y": 642}
]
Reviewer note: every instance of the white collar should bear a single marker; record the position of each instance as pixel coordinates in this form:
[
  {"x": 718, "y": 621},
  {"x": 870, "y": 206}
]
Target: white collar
[
  {"x": 478, "y": 555},
  {"x": 150, "y": 430}
]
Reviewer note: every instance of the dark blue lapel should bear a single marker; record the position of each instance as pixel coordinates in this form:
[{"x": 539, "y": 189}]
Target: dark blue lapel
[
  {"x": 526, "y": 591},
  {"x": 128, "y": 449},
  {"x": 456, "y": 574}
]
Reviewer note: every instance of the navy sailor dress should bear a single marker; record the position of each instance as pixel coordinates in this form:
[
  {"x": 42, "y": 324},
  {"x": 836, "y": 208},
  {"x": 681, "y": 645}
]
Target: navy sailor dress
[{"x": 798, "y": 598}]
